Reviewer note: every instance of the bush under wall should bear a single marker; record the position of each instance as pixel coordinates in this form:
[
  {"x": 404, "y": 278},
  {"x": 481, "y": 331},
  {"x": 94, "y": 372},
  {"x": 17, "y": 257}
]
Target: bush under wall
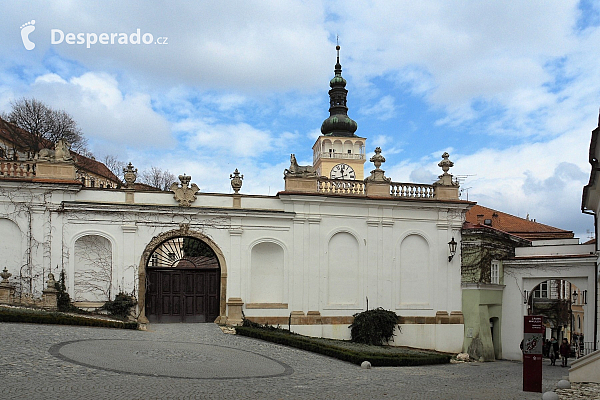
[
  {"x": 57, "y": 318},
  {"x": 373, "y": 326},
  {"x": 284, "y": 337}
]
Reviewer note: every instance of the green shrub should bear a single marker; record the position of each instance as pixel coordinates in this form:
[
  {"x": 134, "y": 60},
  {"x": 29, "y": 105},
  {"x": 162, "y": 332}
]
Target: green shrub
[
  {"x": 120, "y": 306},
  {"x": 284, "y": 337},
  {"x": 63, "y": 300},
  {"x": 57, "y": 318},
  {"x": 373, "y": 326}
]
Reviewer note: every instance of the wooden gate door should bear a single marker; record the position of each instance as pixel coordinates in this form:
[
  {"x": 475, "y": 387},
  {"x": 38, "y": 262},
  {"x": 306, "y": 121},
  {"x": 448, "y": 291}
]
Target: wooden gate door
[{"x": 182, "y": 295}]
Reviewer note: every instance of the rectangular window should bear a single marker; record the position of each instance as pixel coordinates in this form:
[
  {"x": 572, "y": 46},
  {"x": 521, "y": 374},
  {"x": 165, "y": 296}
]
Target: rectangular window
[
  {"x": 495, "y": 272},
  {"x": 541, "y": 291}
]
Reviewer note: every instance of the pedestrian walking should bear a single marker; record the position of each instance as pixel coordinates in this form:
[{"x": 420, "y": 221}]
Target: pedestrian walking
[
  {"x": 565, "y": 351},
  {"x": 553, "y": 350}
]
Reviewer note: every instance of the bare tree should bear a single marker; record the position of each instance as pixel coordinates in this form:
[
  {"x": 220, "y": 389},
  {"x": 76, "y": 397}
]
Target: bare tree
[
  {"x": 45, "y": 124},
  {"x": 157, "y": 178},
  {"x": 114, "y": 165}
]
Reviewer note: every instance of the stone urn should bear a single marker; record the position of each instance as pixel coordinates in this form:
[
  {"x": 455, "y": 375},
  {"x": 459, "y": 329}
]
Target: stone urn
[{"x": 236, "y": 181}]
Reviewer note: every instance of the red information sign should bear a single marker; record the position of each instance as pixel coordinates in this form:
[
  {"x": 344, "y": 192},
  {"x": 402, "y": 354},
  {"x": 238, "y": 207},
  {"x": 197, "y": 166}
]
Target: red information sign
[{"x": 533, "y": 339}]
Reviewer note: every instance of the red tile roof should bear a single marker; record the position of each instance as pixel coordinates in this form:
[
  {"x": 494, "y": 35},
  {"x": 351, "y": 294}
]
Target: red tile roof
[
  {"x": 522, "y": 227},
  {"x": 13, "y": 134}
]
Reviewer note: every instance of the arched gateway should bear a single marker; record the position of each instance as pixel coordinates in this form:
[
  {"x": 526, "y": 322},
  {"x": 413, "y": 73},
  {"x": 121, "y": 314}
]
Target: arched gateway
[{"x": 182, "y": 278}]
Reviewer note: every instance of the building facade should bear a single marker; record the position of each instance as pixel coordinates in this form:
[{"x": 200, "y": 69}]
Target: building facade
[{"x": 326, "y": 247}]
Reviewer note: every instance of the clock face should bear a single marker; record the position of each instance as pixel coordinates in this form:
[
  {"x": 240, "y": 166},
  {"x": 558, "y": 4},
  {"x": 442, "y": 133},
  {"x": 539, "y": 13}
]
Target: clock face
[{"x": 342, "y": 171}]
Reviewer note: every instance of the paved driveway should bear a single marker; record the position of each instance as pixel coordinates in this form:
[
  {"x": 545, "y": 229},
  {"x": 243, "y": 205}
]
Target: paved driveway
[{"x": 199, "y": 361}]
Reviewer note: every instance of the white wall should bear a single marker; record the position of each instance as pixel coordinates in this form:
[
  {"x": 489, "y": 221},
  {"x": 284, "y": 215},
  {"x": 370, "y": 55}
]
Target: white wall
[{"x": 314, "y": 253}]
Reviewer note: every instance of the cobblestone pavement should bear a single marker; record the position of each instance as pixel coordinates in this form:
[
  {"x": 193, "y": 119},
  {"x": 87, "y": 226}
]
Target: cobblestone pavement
[{"x": 189, "y": 361}]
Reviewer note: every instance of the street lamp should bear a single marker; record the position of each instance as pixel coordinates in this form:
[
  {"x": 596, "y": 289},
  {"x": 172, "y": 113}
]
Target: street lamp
[
  {"x": 574, "y": 297},
  {"x": 452, "y": 246}
]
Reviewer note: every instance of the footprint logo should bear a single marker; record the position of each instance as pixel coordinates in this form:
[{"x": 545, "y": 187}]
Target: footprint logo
[{"x": 26, "y": 29}]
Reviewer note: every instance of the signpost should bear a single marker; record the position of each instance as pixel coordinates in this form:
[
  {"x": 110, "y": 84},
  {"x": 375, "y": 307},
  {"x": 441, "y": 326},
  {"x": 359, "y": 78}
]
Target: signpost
[{"x": 533, "y": 340}]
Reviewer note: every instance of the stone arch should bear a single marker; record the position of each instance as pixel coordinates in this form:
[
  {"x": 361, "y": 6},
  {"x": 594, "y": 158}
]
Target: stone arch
[
  {"x": 348, "y": 147},
  {"x": 184, "y": 230},
  {"x": 413, "y": 268},
  {"x": 338, "y": 146},
  {"x": 554, "y": 301},
  {"x": 262, "y": 257},
  {"x": 93, "y": 267},
  {"x": 70, "y": 261},
  {"x": 359, "y": 147},
  {"x": 11, "y": 246},
  {"x": 343, "y": 284}
]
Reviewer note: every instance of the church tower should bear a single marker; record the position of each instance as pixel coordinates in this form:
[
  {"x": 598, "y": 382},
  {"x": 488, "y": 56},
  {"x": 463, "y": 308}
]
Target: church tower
[{"x": 338, "y": 153}]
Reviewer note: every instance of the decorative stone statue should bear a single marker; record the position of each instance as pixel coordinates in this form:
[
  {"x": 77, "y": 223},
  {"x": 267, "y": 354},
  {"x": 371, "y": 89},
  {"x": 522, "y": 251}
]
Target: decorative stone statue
[
  {"x": 377, "y": 175},
  {"x": 301, "y": 171},
  {"x": 446, "y": 179},
  {"x": 183, "y": 193},
  {"x": 236, "y": 181},
  {"x": 51, "y": 282},
  {"x": 5, "y": 275},
  {"x": 60, "y": 153},
  {"x": 130, "y": 175}
]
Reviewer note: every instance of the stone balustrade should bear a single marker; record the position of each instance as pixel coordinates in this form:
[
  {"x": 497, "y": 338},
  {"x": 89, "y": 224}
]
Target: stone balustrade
[
  {"x": 411, "y": 190},
  {"x": 341, "y": 186},
  {"x": 17, "y": 169}
]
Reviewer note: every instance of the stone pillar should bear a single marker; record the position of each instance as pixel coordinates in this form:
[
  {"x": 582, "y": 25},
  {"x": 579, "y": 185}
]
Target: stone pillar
[
  {"x": 377, "y": 185},
  {"x": 378, "y": 189},
  {"x": 130, "y": 175},
  {"x": 55, "y": 170},
  {"x": 371, "y": 281},
  {"x": 237, "y": 201},
  {"x": 297, "y": 273},
  {"x": 236, "y": 185},
  {"x": 313, "y": 255},
  {"x": 299, "y": 184},
  {"x": 445, "y": 188},
  {"x": 234, "y": 308},
  {"x": 7, "y": 290}
]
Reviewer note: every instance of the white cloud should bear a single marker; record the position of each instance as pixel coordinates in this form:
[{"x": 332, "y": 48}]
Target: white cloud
[
  {"x": 250, "y": 45},
  {"x": 240, "y": 140},
  {"x": 108, "y": 117},
  {"x": 384, "y": 109}
]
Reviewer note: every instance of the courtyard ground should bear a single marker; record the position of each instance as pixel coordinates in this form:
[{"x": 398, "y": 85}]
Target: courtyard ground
[{"x": 199, "y": 361}]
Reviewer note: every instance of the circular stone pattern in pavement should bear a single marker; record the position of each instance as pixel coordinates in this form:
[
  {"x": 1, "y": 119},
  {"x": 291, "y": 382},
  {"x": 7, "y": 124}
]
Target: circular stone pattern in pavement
[{"x": 169, "y": 359}]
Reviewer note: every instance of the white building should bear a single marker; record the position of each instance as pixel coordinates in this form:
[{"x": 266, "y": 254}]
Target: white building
[{"x": 327, "y": 247}]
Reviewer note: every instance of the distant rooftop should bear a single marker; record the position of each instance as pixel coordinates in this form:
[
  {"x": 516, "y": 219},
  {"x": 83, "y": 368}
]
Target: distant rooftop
[{"x": 521, "y": 227}]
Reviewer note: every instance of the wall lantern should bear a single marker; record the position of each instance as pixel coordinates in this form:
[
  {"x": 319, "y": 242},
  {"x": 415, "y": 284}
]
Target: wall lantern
[
  {"x": 525, "y": 297},
  {"x": 452, "y": 246},
  {"x": 574, "y": 296}
]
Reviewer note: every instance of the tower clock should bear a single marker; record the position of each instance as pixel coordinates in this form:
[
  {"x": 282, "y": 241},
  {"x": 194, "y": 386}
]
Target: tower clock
[{"x": 342, "y": 171}]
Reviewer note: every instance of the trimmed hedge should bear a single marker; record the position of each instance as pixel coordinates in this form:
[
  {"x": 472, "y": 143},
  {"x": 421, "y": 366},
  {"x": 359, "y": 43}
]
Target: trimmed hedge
[
  {"x": 344, "y": 354},
  {"x": 57, "y": 318}
]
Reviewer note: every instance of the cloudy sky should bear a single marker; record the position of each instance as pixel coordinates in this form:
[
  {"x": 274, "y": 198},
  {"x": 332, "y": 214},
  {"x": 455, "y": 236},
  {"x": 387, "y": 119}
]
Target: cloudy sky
[{"x": 510, "y": 89}]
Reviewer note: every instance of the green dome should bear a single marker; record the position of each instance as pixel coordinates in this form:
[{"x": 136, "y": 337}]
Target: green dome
[
  {"x": 339, "y": 125},
  {"x": 337, "y": 81}
]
